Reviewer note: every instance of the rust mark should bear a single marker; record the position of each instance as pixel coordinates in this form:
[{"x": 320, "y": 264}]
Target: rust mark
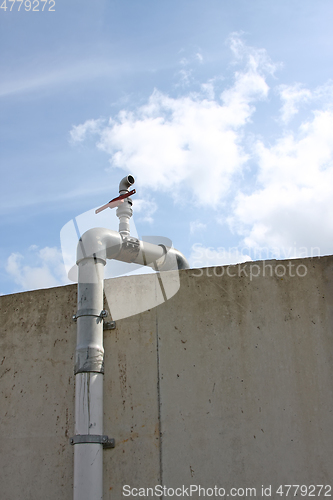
[
  {"x": 59, "y": 340},
  {"x": 66, "y": 431},
  {"x": 183, "y": 341},
  {"x": 6, "y": 371},
  {"x": 122, "y": 374}
]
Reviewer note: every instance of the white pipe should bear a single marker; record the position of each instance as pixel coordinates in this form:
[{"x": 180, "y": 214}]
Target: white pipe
[
  {"x": 94, "y": 247},
  {"x": 125, "y": 183},
  {"x": 89, "y": 367},
  {"x": 88, "y": 457},
  {"x": 124, "y": 211}
]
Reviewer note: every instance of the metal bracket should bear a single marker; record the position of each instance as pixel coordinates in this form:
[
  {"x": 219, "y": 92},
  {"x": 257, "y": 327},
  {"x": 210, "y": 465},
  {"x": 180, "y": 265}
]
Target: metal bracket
[
  {"x": 90, "y": 312},
  {"x": 91, "y": 438},
  {"x": 130, "y": 249},
  {"x": 109, "y": 325}
]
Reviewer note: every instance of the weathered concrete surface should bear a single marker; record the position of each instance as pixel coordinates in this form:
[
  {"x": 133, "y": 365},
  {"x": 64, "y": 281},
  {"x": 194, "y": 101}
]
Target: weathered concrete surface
[
  {"x": 37, "y": 343},
  {"x": 236, "y": 374},
  {"x": 247, "y": 379},
  {"x": 131, "y": 403}
]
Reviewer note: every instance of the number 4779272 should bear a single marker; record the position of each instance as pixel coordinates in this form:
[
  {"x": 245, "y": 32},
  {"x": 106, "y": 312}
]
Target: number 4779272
[{"x": 34, "y": 6}]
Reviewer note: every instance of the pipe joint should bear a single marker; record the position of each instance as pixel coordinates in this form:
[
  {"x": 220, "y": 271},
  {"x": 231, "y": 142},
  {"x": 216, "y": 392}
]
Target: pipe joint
[
  {"x": 130, "y": 249},
  {"x": 89, "y": 359},
  {"x": 126, "y": 183},
  {"x": 174, "y": 260},
  {"x": 99, "y": 244}
]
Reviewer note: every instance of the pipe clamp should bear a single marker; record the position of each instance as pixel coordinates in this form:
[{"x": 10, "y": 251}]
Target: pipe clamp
[
  {"x": 90, "y": 312},
  {"x": 93, "y": 438},
  {"x": 130, "y": 249}
]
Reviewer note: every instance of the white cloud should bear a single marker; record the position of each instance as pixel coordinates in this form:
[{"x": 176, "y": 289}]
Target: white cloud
[
  {"x": 197, "y": 226},
  {"x": 255, "y": 59},
  {"x": 145, "y": 209},
  {"x": 79, "y": 132},
  {"x": 194, "y": 146},
  {"x": 190, "y": 143},
  {"x": 185, "y": 77},
  {"x": 293, "y": 207},
  {"x": 202, "y": 256},
  {"x": 45, "y": 269},
  {"x": 172, "y": 144},
  {"x": 292, "y": 96},
  {"x": 184, "y": 61},
  {"x": 208, "y": 90}
]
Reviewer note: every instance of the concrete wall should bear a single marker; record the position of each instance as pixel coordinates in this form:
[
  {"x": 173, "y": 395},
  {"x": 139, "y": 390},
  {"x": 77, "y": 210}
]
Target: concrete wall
[{"x": 228, "y": 383}]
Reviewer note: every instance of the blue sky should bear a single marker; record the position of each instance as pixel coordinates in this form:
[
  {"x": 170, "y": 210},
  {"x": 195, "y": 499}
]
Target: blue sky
[{"x": 221, "y": 109}]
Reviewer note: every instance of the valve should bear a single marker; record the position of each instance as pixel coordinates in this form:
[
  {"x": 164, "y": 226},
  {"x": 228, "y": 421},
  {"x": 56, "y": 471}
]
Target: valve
[{"x": 115, "y": 202}]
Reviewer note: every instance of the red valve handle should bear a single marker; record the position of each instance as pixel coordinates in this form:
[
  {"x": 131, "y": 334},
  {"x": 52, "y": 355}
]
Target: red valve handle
[{"x": 116, "y": 201}]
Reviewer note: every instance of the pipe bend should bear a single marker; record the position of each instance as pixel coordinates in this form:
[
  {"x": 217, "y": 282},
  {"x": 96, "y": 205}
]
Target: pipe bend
[
  {"x": 100, "y": 243},
  {"x": 126, "y": 182},
  {"x": 181, "y": 259},
  {"x": 174, "y": 260}
]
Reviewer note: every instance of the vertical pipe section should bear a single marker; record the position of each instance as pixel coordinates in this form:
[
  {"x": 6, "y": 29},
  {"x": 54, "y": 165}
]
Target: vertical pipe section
[
  {"x": 124, "y": 211},
  {"x": 89, "y": 369}
]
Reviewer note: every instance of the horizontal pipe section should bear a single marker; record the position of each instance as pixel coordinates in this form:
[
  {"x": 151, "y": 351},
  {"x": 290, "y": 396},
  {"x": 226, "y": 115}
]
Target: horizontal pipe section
[{"x": 102, "y": 244}]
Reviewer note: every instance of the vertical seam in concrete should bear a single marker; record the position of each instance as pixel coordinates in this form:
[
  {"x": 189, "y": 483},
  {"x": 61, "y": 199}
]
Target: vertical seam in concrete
[{"x": 159, "y": 403}]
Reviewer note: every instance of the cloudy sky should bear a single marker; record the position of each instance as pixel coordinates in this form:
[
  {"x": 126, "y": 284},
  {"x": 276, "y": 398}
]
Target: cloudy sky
[{"x": 221, "y": 109}]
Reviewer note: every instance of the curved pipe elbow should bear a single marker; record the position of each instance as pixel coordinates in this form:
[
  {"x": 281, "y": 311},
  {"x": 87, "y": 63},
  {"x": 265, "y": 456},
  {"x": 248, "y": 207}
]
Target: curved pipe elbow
[
  {"x": 98, "y": 243},
  {"x": 174, "y": 260},
  {"x": 126, "y": 183},
  {"x": 159, "y": 257},
  {"x": 181, "y": 259}
]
